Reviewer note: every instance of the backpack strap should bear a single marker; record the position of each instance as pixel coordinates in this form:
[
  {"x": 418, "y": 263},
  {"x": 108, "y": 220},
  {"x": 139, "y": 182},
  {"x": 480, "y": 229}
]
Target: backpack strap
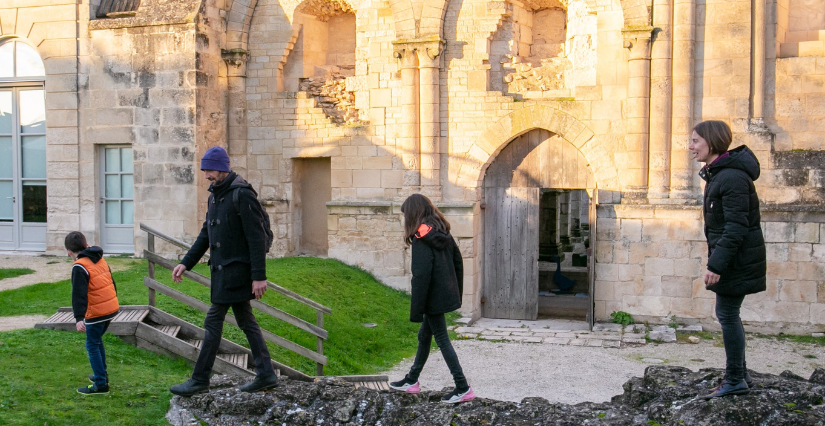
[{"x": 236, "y": 201}]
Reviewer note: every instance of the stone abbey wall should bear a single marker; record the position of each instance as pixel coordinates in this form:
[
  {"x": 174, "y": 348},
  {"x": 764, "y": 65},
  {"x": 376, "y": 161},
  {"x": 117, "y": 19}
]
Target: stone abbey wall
[{"x": 408, "y": 96}]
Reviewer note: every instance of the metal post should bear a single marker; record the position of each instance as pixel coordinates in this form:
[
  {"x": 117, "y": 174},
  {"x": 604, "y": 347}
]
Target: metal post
[
  {"x": 151, "y": 248},
  {"x": 319, "y": 368}
]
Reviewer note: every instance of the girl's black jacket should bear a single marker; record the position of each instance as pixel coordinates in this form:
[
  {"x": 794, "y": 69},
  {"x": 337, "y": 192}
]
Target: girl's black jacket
[
  {"x": 437, "y": 275},
  {"x": 736, "y": 247}
]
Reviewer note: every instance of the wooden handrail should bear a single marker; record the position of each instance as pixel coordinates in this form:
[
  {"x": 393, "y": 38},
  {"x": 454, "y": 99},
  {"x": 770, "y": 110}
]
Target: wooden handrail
[
  {"x": 203, "y": 307},
  {"x": 275, "y": 287},
  {"x": 167, "y": 238},
  {"x": 275, "y": 312}
]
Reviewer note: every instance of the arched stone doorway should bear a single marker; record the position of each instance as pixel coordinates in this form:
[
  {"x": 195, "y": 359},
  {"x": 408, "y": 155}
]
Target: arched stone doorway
[{"x": 526, "y": 176}]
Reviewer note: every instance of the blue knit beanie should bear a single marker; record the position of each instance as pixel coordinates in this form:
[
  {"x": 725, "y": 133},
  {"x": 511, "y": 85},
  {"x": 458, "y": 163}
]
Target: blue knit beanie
[{"x": 216, "y": 159}]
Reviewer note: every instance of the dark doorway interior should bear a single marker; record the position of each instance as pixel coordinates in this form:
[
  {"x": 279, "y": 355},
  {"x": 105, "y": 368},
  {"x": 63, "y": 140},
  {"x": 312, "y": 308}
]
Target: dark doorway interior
[{"x": 564, "y": 247}]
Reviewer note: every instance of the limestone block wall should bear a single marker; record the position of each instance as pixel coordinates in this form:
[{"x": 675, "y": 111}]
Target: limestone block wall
[
  {"x": 145, "y": 88},
  {"x": 651, "y": 260},
  {"x": 50, "y": 26}
]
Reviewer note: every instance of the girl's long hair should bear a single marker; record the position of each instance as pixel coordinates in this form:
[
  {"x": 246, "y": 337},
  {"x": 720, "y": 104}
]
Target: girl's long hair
[{"x": 419, "y": 209}]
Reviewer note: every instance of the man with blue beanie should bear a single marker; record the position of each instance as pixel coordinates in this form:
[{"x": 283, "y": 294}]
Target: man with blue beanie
[{"x": 236, "y": 232}]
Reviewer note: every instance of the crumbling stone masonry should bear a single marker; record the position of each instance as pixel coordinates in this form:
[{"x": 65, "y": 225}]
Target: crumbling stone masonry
[{"x": 407, "y": 96}]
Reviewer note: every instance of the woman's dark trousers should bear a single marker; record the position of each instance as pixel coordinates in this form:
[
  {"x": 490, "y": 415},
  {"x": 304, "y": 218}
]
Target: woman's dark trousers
[
  {"x": 213, "y": 324},
  {"x": 435, "y": 325},
  {"x": 733, "y": 335}
]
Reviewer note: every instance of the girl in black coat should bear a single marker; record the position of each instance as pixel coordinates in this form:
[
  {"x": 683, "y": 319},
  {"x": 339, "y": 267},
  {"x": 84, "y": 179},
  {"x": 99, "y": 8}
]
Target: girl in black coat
[
  {"x": 736, "y": 248},
  {"x": 437, "y": 286}
]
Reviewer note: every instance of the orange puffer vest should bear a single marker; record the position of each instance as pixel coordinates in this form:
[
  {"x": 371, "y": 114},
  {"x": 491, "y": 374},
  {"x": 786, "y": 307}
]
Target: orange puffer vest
[{"x": 102, "y": 296}]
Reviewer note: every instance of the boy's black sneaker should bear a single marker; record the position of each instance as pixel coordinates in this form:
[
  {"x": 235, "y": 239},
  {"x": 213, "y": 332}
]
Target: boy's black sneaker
[
  {"x": 93, "y": 390},
  {"x": 260, "y": 383},
  {"x": 189, "y": 388}
]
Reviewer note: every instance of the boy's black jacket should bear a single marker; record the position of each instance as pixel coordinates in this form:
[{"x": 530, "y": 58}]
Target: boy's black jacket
[
  {"x": 80, "y": 285},
  {"x": 736, "y": 247},
  {"x": 438, "y": 275}
]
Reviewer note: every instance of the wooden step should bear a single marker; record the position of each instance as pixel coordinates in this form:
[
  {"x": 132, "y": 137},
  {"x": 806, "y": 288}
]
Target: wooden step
[
  {"x": 194, "y": 342},
  {"x": 60, "y": 317},
  {"x": 237, "y": 359},
  {"x": 171, "y": 330}
]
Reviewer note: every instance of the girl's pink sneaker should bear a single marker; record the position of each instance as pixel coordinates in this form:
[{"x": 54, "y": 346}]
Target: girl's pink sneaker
[
  {"x": 405, "y": 385},
  {"x": 457, "y": 396}
]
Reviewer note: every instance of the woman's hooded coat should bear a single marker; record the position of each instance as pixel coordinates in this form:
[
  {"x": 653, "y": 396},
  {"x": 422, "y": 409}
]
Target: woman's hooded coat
[{"x": 736, "y": 247}]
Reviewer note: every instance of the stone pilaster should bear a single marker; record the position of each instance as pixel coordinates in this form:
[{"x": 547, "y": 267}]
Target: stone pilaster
[
  {"x": 429, "y": 63},
  {"x": 637, "y": 41},
  {"x": 408, "y": 132}
]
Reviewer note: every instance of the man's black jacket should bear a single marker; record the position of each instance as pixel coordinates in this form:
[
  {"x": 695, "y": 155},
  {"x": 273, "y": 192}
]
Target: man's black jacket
[
  {"x": 437, "y": 275},
  {"x": 236, "y": 243},
  {"x": 736, "y": 247}
]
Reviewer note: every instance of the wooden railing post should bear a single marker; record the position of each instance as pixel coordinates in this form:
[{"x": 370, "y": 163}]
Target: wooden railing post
[
  {"x": 151, "y": 247},
  {"x": 319, "y": 368}
]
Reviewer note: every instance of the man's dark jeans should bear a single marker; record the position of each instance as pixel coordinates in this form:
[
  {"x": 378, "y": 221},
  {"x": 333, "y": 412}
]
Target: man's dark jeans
[
  {"x": 213, "y": 324},
  {"x": 96, "y": 351},
  {"x": 733, "y": 335},
  {"x": 435, "y": 325}
]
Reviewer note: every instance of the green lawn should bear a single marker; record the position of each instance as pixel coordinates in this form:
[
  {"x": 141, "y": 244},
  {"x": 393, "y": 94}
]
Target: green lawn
[
  {"x": 354, "y": 296},
  {"x": 54, "y": 363},
  {"x": 40, "y": 370},
  {"x": 14, "y": 272}
]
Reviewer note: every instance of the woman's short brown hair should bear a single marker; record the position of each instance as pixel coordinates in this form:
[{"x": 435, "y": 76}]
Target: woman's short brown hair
[{"x": 716, "y": 133}]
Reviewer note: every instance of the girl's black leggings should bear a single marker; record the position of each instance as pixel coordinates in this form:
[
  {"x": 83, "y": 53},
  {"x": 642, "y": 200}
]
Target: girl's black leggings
[{"x": 436, "y": 326}]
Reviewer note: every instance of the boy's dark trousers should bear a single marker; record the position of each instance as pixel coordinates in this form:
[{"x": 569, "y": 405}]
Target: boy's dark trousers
[
  {"x": 97, "y": 353},
  {"x": 213, "y": 325}
]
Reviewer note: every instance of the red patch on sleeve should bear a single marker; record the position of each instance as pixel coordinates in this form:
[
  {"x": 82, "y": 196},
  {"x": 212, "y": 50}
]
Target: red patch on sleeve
[{"x": 423, "y": 230}]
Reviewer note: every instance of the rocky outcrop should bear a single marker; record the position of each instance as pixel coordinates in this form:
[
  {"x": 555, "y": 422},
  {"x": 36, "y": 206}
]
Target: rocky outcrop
[{"x": 664, "y": 396}]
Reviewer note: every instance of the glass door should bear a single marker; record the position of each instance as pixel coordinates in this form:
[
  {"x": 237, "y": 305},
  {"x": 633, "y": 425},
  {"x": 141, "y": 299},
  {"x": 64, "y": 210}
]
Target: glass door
[
  {"x": 118, "y": 204},
  {"x": 22, "y": 168}
]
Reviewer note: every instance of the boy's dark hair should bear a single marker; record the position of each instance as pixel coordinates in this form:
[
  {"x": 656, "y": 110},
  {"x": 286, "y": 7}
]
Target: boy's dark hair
[
  {"x": 717, "y": 134},
  {"x": 75, "y": 242},
  {"x": 419, "y": 209}
]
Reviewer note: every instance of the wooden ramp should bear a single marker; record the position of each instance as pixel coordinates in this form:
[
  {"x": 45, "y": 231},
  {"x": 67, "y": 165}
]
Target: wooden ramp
[{"x": 150, "y": 328}]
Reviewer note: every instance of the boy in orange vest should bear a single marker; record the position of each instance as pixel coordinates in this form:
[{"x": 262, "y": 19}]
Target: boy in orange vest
[{"x": 94, "y": 304}]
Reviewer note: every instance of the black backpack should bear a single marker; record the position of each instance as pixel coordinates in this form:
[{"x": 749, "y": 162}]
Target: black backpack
[{"x": 264, "y": 223}]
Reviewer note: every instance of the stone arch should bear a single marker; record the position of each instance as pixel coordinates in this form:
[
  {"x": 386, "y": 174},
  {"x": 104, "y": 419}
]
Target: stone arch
[
  {"x": 432, "y": 17},
  {"x": 636, "y": 13},
  {"x": 404, "y": 16},
  {"x": 238, "y": 21},
  {"x": 496, "y": 136}
]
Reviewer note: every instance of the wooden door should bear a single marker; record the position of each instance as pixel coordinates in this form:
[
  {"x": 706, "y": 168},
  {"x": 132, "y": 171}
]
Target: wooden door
[{"x": 511, "y": 274}]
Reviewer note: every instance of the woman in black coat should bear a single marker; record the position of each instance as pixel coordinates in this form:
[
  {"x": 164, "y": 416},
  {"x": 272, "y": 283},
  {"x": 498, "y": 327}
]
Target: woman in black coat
[
  {"x": 437, "y": 286},
  {"x": 736, "y": 248}
]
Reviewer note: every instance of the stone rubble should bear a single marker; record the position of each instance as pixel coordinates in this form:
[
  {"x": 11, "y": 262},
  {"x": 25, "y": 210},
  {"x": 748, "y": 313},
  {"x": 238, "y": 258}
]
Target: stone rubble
[
  {"x": 665, "y": 396},
  {"x": 333, "y": 97}
]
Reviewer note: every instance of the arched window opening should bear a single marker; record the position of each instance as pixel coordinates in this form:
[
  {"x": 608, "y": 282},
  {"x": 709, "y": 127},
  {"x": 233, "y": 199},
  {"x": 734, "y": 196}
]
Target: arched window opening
[{"x": 23, "y": 198}]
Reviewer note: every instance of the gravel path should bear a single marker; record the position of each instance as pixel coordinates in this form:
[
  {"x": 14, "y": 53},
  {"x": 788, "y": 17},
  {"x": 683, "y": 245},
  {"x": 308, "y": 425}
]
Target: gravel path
[{"x": 570, "y": 374}]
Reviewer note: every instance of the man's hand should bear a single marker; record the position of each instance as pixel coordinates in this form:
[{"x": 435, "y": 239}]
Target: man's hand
[
  {"x": 81, "y": 326},
  {"x": 177, "y": 273},
  {"x": 258, "y": 288},
  {"x": 711, "y": 278}
]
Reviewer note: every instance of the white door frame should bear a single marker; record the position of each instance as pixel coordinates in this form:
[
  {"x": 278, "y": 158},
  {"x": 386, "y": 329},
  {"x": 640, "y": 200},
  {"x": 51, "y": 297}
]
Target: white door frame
[
  {"x": 17, "y": 234},
  {"x": 114, "y": 238}
]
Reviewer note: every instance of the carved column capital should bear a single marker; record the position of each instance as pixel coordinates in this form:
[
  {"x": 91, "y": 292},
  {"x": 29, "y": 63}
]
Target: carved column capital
[
  {"x": 637, "y": 40},
  {"x": 427, "y": 50},
  {"x": 235, "y": 61}
]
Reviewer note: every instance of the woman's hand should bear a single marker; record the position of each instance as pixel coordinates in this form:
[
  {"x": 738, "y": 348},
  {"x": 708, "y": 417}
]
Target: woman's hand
[{"x": 711, "y": 278}]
